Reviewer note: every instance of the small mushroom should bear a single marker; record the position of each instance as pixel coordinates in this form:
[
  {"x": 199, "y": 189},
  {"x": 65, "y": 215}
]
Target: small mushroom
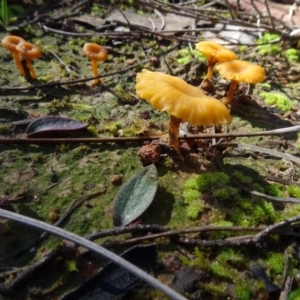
[
  {"x": 29, "y": 51},
  {"x": 95, "y": 53},
  {"x": 183, "y": 102},
  {"x": 239, "y": 71},
  {"x": 214, "y": 54},
  {"x": 10, "y": 43}
]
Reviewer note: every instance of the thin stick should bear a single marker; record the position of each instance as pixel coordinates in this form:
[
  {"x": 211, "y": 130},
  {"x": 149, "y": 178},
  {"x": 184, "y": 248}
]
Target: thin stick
[
  {"x": 254, "y": 148},
  {"x": 143, "y": 138},
  {"x": 95, "y": 248},
  {"x": 179, "y": 232},
  {"x": 284, "y": 295},
  {"x": 269, "y": 14},
  {"x": 272, "y": 228}
]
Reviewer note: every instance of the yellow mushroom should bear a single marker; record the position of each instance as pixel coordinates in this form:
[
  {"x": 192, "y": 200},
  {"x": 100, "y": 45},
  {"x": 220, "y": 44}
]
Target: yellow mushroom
[
  {"x": 183, "y": 102},
  {"x": 95, "y": 53},
  {"x": 239, "y": 71},
  {"x": 29, "y": 51},
  {"x": 10, "y": 43},
  {"x": 214, "y": 54}
]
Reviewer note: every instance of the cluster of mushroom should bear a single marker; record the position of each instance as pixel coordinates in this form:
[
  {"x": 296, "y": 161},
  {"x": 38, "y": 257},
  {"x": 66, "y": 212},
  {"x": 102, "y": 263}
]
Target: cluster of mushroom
[
  {"x": 22, "y": 49},
  {"x": 183, "y": 102},
  {"x": 229, "y": 67}
]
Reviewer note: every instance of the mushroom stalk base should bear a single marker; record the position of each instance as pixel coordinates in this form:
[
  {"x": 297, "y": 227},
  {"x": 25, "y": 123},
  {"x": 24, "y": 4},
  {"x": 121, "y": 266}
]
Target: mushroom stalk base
[
  {"x": 232, "y": 87},
  {"x": 174, "y": 131},
  {"x": 210, "y": 70},
  {"x": 95, "y": 72},
  {"x": 18, "y": 63},
  {"x": 31, "y": 69}
]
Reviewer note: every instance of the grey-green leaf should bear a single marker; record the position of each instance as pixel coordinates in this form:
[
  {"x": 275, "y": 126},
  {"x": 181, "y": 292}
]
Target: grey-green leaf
[
  {"x": 135, "y": 196},
  {"x": 53, "y": 124}
]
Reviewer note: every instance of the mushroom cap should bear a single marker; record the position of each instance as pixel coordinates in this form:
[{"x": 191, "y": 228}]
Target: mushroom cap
[
  {"x": 215, "y": 52},
  {"x": 28, "y": 50},
  {"x": 95, "y": 52},
  {"x": 10, "y": 42},
  {"x": 179, "y": 99},
  {"x": 241, "y": 71}
]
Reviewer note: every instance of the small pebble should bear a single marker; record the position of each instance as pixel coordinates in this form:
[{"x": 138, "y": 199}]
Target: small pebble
[{"x": 115, "y": 179}]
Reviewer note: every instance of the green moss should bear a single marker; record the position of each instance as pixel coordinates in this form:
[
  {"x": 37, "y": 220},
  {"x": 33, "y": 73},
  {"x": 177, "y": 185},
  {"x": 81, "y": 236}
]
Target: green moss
[
  {"x": 245, "y": 204},
  {"x": 265, "y": 47},
  {"x": 92, "y": 130},
  {"x": 267, "y": 37},
  {"x": 210, "y": 181},
  {"x": 289, "y": 211},
  {"x": 124, "y": 94},
  {"x": 242, "y": 178},
  {"x": 243, "y": 211},
  {"x": 193, "y": 210},
  {"x": 225, "y": 193},
  {"x": 216, "y": 289},
  {"x": 221, "y": 270},
  {"x": 294, "y": 191},
  {"x": 232, "y": 256},
  {"x": 264, "y": 86},
  {"x": 243, "y": 48},
  {"x": 200, "y": 260},
  {"x": 113, "y": 127},
  {"x": 238, "y": 217},
  {"x": 72, "y": 265},
  {"x": 268, "y": 49},
  {"x": 214, "y": 183},
  {"x": 191, "y": 195},
  {"x": 194, "y": 203},
  {"x": 242, "y": 290},
  {"x": 186, "y": 55},
  {"x": 191, "y": 183},
  {"x": 275, "y": 189},
  {"x": 277, "y": 99},
  {"x": 275, "y": 262},
  {"x": 258, "y": 213},
  {"x": 168, "y": 162},
  {"x": 58, "y": 105},
  {"x": 269, "y": 210},
  {"x": 222, "y": 223},
  {"x": 292, "y": 54}
]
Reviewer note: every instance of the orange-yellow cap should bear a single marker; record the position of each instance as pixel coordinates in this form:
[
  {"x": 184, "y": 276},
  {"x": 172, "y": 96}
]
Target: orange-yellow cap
[
  {"x": 179, "y": 99},
  {"x": 214, "y": 52},
  {"x": 241, "y": 71},
  {"x": 28, "y": 50},
  {"x": 95, "y": 52}
]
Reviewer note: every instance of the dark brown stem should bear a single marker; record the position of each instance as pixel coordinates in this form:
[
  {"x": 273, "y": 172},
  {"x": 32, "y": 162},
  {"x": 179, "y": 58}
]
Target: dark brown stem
[
  {"x": 232, "y": 87},
  {"x": 174, "y": 131}
]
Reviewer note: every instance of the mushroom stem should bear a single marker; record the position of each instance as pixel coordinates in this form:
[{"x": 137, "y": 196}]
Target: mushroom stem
[
  {"x": 95, "y": 72},
  {"x": 232, "y": 87},
  {"x": 30, "y": 68},
  {"x": 18, "y": 63},
  {"x": 210, "y": 70},
  {"x": 174, "y": 131}
]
